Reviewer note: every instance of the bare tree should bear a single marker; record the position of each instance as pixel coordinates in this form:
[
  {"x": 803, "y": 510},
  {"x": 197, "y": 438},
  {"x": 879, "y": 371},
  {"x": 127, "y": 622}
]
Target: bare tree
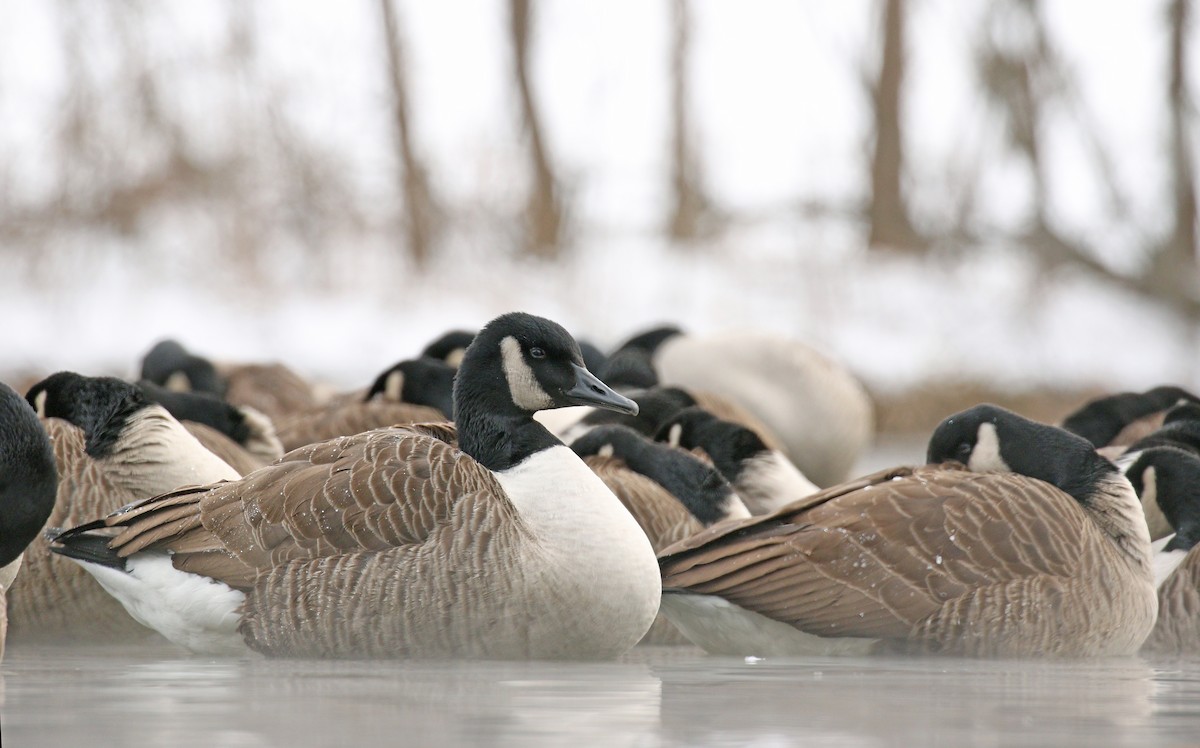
[
  {"x": 420, "y": 208},
  {"x": 888, "y": 210},
  {"x": 544, "y": 211},
  {"x": 691, "y": 205},
  {"x": 1020, "y": 81}
]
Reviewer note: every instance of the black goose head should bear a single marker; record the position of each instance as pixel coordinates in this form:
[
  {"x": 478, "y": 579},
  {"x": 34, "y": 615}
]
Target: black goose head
[
  {"x": 655, "y": 406},
  {"x": 420, "y": 381},
  {"x": 630, "y": 367},
  {"x": 450, "y": 347},
  {"x": 1100, "y": 420},
  {"x": 169, "y": 364},
  {"x": 1180, "y": 429},
  {"x": 200, "y": 407},
  {"x": 728, "y": 444},
  {"x": 100, "y": 406},
  {"x": 28, "y": 477},
  {"x": 517, "y": 365},
  {"x": 1170, "y": 477},
  {"x": 988, "y": 439},
  {"x": 699, "y": 487}
]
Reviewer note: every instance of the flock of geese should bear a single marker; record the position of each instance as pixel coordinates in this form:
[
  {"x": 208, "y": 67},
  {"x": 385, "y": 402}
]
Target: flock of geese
[{"x": 511, "y": 493}]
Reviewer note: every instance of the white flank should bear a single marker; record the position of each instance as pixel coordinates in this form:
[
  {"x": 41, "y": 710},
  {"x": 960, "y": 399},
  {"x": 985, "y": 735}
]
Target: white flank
[
  {"x": 985, "y": 458},
  {"x": 195, "y": 612},
  {"x": 722, "y": 628},
  {"x": 769, "y": 480},
  {"x": 1165, "y": 562},
  {"x": 565, "y": 423}
]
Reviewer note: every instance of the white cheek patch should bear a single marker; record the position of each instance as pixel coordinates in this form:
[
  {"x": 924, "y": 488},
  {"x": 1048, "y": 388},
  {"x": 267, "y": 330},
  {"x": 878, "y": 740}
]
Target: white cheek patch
[
  {"x": 393, "y": 386},
  {"x": 674, "y": 435},
  {"x": 455, "y": 357},
  {"x": 39, "y": 403},
  {"x": 522, "y": 384},
  {"x": 605, "y": 451},
  {"x": 985, "y": 458},
  {"x": 178, "y": 382}
]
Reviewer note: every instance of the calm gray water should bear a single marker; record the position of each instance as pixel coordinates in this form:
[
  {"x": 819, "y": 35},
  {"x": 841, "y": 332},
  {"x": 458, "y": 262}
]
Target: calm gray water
[{"x": 159, "y": 696}]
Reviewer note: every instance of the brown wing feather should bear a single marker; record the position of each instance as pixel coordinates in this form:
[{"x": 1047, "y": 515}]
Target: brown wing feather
[
  {"x": 887, "y": 554},
  {"x": 660, "y": 515},
  {"x": 321, "y": 424},
  {"x": 369, "y": 492},
  {"x": 272, "y": 389}
]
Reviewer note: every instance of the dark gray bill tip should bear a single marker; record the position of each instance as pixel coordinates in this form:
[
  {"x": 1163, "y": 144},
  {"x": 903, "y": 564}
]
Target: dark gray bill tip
[{"x": 589, "y": 390}]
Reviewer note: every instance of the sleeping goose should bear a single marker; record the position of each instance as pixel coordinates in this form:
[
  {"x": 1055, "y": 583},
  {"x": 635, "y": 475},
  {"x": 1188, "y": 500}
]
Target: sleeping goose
[
  {"x": 270, "y": 388},
  {"x": 111, "y": 447},
  {"x": 1168, "y": 479},
  {"x": 411, "y": 391},
  {"x": 765, "y": 478},
  {"x": 1036, "y": 545},
  {"x": 395, "y": 543},
  {"x": 817, "y": 409},
  {"x": 1119, "y": 420},
  {"x": 239, "y": 435},
  {"x": 28, "y": 481}
]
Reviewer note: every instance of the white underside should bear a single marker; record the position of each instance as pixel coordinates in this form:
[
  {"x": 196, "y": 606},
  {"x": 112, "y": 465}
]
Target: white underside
[
  {"x": 1165, "y": 562},
  {"x": 565, "y": 423},
  {"x": 723, "y": 628},
  {"x": 192, "y": 611}
]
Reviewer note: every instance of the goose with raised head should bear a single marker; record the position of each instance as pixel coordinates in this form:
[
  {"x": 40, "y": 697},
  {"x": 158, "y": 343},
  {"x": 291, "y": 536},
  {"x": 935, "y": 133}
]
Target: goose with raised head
[
  {"x": 395, "y": 543},
  {"x": 672, "y": 494},
  {"x": 764, "y": 478},
  {"x": 28, "y": 483},
  {"x": 820, "y": 413},
  {"x": 239, "y": 435},
  {"x": 1033, "y": 545},
  {"x": 111, "y": 446}
]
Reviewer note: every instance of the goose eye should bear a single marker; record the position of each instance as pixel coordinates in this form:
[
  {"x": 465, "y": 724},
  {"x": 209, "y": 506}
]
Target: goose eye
[
  {"x": 963, "y": 453},
  {"x": 537, "y": 352}
]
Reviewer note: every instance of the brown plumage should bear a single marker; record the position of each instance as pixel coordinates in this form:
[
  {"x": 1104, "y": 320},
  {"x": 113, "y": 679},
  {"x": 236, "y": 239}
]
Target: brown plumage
[
  {"x": 347, "y": 418},
  {"x": 273, "y": 389},
  {"x": 931, "y": 559},
  {"x": 53, "y": 598},
  {"x": 1177, "y": 629}
]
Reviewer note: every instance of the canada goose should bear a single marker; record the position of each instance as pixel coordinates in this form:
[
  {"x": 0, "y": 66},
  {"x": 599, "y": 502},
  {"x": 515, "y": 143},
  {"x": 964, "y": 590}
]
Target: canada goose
[
  {"x": 449, "y": 347},
  {"x": 239, "y": 435},
  {"x": 1180, "y": 429},
  {"x": 1121, "y": 419},
  {"x": 28, "y": 481},
  {"x": 394, "y": 543},
  {"x": 271, "y": 388},
  {"x": 817, "y": 409},
  {"x": 411, "y": 391},
  {"x": 1168, "y": 479},
  {"x": 765, "y": 478},
  {"x": 1036, "y": 546},
  {"x": 670, "y": 493},
  {"x": 418, "y": 381},
  {"x": 111, "y": 446}
]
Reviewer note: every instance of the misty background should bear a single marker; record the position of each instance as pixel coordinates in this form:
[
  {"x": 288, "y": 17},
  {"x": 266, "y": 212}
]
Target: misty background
[{"x": 991, "y": 199}]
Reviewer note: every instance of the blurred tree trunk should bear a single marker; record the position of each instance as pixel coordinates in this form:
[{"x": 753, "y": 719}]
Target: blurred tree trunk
[
  {"x": 691, "y": 206},
  {"x": 544, "y": 211},
  {"x": 888, "y": 212},
  {"x": 421, "y": 210},
  {"x": 1174, "y": 265}
]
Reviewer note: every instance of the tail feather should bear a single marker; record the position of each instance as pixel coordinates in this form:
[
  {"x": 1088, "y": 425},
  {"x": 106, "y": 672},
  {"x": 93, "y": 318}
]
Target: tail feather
[{"x": 82, "y": 544}]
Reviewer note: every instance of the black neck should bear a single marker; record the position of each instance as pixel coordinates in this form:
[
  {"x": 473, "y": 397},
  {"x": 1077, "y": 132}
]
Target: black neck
[
  {"x": 500, "y": 442},
  {"x": 28, "y": 477}
]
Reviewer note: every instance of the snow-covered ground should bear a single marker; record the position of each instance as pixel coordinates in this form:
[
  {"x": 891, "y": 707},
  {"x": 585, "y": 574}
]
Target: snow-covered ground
[{"x": 781, "y": 121}]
